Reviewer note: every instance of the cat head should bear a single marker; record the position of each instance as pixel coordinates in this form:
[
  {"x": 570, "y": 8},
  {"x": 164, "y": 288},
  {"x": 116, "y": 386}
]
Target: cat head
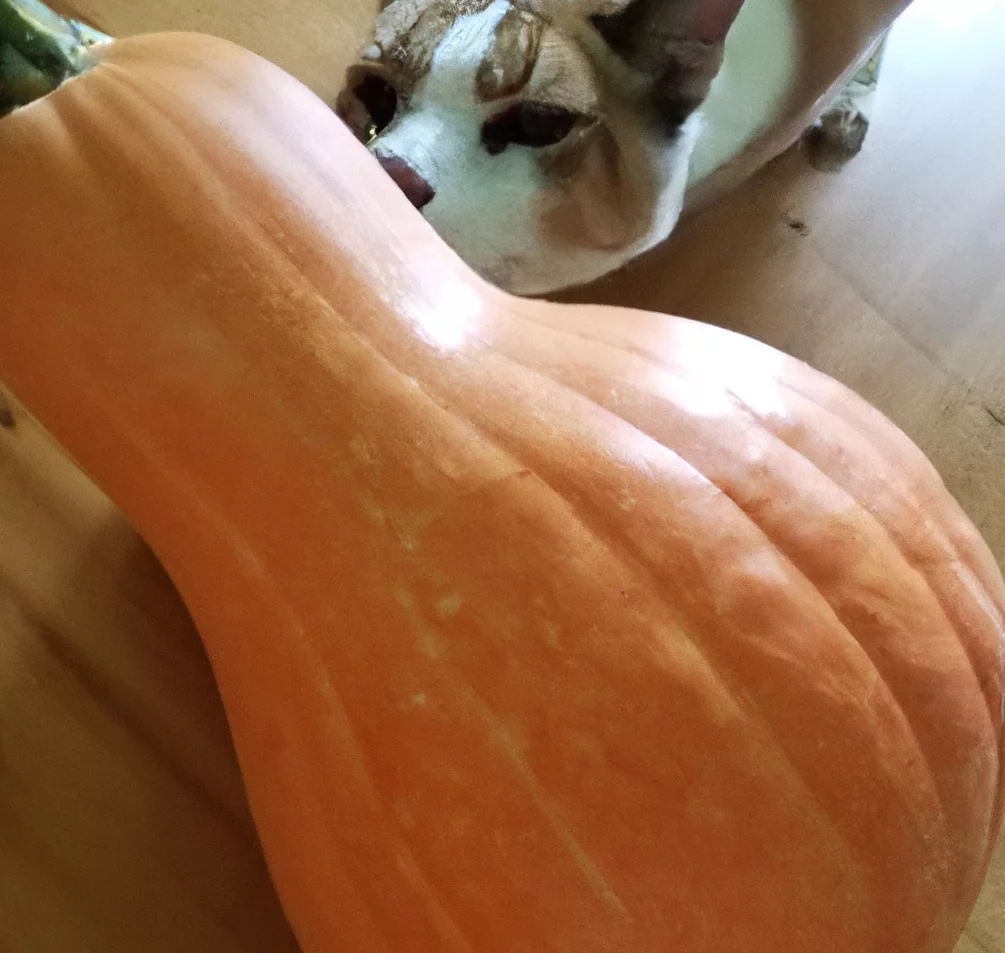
[{"x": 547, "y": 141}]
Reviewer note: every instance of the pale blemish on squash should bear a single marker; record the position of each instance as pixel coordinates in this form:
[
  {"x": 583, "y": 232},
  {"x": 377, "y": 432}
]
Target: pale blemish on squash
[
  {"x": 428, "y": 638},
  {"x": 373, "y": 509},
  {"x": 449, "y": 606},
  {"x": 362, "y": 450},
  {"x": 554, "y": 817},
  {"x": 409, "y": 541}
]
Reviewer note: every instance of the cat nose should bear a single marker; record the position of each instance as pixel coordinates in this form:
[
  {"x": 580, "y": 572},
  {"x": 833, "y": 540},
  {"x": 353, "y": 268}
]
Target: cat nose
[{"x": 417, "y": 190}]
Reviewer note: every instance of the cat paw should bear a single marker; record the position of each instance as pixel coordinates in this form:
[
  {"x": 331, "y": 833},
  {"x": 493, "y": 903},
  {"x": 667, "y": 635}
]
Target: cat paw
[{"x": 836, "y": 138}]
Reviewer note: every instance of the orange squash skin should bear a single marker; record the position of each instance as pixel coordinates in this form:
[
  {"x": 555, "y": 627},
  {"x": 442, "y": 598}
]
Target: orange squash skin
[{"x": 539, "y": 629}]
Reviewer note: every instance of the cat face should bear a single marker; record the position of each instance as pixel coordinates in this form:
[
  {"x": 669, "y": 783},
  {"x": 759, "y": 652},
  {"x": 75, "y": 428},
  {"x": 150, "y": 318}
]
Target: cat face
[{"x": 547, "y": 142}]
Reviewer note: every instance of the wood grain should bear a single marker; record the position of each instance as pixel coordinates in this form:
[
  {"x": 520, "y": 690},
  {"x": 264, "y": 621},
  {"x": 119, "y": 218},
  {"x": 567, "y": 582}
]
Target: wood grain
[{"x": 123, "y": 823}]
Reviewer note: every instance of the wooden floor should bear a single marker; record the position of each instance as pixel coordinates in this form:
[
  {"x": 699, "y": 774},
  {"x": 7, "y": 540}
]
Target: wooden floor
[{"x": 890, "y": 276}]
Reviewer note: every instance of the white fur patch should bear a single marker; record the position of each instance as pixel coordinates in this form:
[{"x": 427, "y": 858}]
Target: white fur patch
[
  {"x": 489, "y": 208},
  {"x": 486, "y": 202}
]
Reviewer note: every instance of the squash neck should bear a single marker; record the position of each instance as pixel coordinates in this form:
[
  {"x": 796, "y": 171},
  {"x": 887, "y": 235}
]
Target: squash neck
[{"x": 39, "y": 51}]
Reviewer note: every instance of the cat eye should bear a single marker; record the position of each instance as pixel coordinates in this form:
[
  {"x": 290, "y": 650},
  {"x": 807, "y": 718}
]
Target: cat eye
[
  {"x": 535, "y": 125},
  {"x": 380, "y": 99}
]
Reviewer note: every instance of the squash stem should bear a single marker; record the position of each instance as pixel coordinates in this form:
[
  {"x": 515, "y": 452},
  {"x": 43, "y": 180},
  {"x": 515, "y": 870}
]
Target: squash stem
[{"x": 39, "y": 50}]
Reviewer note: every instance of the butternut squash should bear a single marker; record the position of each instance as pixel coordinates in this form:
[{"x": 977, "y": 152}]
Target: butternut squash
[{"x": 538, "y": 628}]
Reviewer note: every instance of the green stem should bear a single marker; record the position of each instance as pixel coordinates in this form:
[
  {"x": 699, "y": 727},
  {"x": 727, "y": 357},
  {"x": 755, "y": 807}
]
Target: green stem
[{"x": 39, "y": 50}]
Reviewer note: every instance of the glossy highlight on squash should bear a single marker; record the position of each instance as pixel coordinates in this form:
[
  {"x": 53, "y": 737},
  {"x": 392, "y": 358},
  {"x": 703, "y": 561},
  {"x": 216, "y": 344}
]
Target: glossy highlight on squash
[{"x": 539, "y": 628}]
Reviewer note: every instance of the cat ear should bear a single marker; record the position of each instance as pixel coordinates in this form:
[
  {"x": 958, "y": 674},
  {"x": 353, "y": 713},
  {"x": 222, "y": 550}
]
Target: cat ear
[{"x": 677, "y": 43}]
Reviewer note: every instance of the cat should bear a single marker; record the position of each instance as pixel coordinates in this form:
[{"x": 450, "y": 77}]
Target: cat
[{"x": 547, "y": 141}]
